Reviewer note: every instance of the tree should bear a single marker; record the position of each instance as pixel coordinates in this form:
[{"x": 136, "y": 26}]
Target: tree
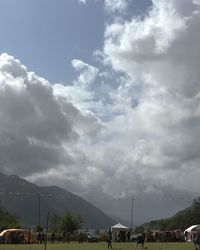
[
  {"x": 139, "y": 229},
  {"x": 55, "y": 221},
  {"x": 181, "y": 220},
  {"x": 8, "y": 220},
  {"x": 39, "y": 228},
  {"x": 70, "y": 222}
]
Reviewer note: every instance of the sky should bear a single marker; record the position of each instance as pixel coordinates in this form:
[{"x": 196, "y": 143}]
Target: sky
[{"x": 102, "y": 97}]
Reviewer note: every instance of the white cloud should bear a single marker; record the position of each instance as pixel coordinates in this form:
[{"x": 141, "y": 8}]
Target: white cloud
[
  {"x": 82, "y": 1},
  {"x": 88, "y": 72},
  {"x": 131, "y": 128},
  {"x": 161, "y": 53},
  {"x": 40, "y": 128},
  {"x": 111, "y": 5},
  {"x": 116, "y": 5}
]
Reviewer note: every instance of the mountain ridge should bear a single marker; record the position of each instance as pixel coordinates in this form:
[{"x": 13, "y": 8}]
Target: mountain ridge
[
  {"x": 32, "y": 202},
  {"x": 180, "y": 220}
]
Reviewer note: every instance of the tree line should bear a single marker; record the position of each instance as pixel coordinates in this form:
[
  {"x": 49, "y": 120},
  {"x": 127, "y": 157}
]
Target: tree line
[
  {"x": 68, "y": 222},
  {"x": 8, "y": 220},
  {"x": 181, "y": 220}
]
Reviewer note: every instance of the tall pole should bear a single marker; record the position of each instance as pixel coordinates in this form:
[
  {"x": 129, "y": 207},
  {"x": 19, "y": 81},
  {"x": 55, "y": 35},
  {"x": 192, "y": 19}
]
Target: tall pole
[
  {"x": 38, "y": 209},
  {"x": 132, "y": 214},
  {"x": 46, "y": 235}
]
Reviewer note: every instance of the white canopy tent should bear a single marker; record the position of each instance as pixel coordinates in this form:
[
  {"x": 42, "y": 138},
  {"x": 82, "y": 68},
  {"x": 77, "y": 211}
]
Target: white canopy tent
[
  {"x": 120, "y": 227},
  {"x": 194, "y": 227},
  {"x": 120, "y": 232},
  {"x": 189, "y": 232}
]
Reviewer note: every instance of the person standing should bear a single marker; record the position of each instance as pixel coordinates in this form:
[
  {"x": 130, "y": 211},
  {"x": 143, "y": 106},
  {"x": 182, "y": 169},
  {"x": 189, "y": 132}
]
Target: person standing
[
  {"x": 39, "y": 238},
  {"x": 64, "y": 236},
  {"x": 109, "y": 237},
  {"x": 29, "y": 236},
  {"x": 80, "y": 240},
  {"x": 43, "y": 237},
  {"x": 68, "y": 237},
  {"x": 53, "y": 237}
]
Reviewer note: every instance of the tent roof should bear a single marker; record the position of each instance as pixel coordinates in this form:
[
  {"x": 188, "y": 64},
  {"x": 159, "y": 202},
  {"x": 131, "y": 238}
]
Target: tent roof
[
  {"x": 189, "y": 229},
  {"x": 119, "y": 226},
  {"x": 13, "y": 230}
]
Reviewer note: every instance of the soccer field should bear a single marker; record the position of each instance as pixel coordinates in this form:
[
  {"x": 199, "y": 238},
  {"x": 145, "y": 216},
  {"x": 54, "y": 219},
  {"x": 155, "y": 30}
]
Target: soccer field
[{"x": 101, "y": 246}]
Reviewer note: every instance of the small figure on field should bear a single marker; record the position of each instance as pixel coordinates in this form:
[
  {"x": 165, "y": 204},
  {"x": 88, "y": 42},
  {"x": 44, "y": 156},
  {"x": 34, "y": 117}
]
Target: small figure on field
[
  {"x": 64, "y": 236},
  {"x": 43, "y": 237},
  {"x": 68, "y": 237},
  {"x": 53, "y": 238},
  {"x": 140, "y": 240},
  {"x": 109, "y": 237},
  {"x": 29, "y": 237},
  {"x": 81, "y": 236},
  {"x": 39, "y": 238}
]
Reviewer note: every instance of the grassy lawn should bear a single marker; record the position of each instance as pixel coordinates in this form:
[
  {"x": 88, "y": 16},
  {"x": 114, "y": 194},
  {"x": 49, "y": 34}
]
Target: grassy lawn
[{"x": 101, "y": 246}]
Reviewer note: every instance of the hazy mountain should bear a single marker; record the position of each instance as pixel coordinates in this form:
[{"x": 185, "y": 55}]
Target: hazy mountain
[{"x": 24, "y": 199}]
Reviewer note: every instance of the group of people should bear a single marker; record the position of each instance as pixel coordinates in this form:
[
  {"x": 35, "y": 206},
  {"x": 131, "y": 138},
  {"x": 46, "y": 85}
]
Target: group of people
[
  {"x": 196, "y": 238},
  {"x": 41, "y": 237},
  {"x": 17, "y": 238},
  {"x": 14, "y": 238},
  {"x": 139, "y": 241}
]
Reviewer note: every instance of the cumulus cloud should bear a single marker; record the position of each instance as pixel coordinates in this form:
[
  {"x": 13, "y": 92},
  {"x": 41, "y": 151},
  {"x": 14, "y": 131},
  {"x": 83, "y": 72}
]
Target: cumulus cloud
[
  {"x": 40, "y": 128},
  {"x": 130, "y": 127},
  {"x": 161, "y": 53}
]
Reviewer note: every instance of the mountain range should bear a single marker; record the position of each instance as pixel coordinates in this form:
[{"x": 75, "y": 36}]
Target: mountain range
[{"x": 32, "y": 203}]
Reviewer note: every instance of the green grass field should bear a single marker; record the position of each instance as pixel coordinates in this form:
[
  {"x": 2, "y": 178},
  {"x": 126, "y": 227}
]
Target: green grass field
[{"x": 101, "y": 246}]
